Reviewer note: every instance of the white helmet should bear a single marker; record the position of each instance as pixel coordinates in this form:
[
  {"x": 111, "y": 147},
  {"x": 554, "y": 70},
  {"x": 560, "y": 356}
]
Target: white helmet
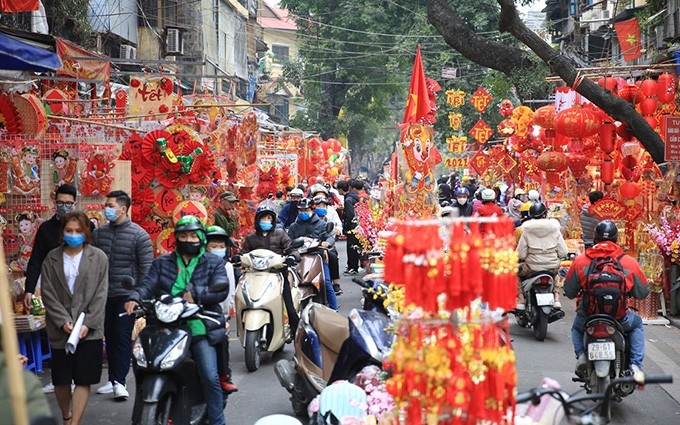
[
  {"x": 519, "y": 191},
  {"x": 534, "y": 195},
  {"x": 318, "y": 188},
  {"x": 297, "y": 192},
  {"x": 488, "y": 195}
]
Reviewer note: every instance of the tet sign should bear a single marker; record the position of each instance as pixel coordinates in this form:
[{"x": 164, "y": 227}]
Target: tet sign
[{"x": 672, "y": 138}]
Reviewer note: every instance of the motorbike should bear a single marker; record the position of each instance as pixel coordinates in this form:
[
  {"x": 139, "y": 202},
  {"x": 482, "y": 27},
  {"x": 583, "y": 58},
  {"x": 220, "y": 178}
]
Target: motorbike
[
  {"x": 539, "y": 311},
  {"x": 311, "y": 271},
  {"x": 330, "y": 347},
  {"x": 262, "y": 323},
  {"x": 168, "y": 389}
]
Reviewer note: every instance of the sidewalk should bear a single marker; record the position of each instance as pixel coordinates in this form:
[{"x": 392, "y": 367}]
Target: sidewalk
[{"x": 662, "y": 351}]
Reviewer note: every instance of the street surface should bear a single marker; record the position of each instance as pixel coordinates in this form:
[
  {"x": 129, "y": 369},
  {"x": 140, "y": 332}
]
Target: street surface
[{"x": 261, "y": 395}]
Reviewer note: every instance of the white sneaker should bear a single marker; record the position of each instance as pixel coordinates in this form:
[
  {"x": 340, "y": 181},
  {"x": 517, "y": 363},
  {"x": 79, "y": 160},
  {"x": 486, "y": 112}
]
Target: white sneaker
[
  {"x": 520, "y": 306},
  {"x": 120, "y": 392},
  {"x": 636, "y": 370},
  {"x": 106, "y": 388},
  {"x": 557, "y": 305},
  {"x": 581, "y": 365},
  {"x": 48, "y": 389}
]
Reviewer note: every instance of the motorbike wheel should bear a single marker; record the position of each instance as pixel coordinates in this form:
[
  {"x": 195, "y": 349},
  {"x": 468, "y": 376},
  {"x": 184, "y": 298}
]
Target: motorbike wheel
[
  {"x": 541, "y": 325},
  {"x": 252, "y": 350},
  {"x": 157, "y": 413},
  {"x": 298, "y": 398},
  {"x": 602, "y": 384}
]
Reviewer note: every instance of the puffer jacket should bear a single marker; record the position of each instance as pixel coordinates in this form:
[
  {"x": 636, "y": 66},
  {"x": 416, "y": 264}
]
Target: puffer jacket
[
  {"x": 276, "y": 240},
  {"x": 541, "y": 245},
  {"x": 588, "y": 223},
  {"x": 314, "y": 228},
  {"x": 208, "y": 272},
  {"x": 130, "y": 253}
]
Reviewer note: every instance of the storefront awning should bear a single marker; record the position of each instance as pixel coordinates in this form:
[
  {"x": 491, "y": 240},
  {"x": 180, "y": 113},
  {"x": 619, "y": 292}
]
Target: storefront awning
[{"x": 18, "y": 55}]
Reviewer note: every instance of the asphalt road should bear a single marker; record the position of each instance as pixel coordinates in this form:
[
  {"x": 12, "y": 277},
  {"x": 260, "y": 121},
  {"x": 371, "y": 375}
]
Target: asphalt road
[{"x": 261, "y": 395}]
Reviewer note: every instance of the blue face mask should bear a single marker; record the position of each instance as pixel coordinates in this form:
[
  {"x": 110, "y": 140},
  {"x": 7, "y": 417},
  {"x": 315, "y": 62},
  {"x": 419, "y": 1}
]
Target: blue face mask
[
  {"x": 266, "y": 226},
  {"x": 110, "y": 214},
  {"x": 220, "y": 252},
  {"x": 74, "y": 241},
  {"x": 321, "y": 212},
  {"x": 305, "y": 216}
]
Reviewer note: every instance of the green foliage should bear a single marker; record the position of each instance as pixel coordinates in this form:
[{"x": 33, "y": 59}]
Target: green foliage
[{"x": 68, "y": 19}]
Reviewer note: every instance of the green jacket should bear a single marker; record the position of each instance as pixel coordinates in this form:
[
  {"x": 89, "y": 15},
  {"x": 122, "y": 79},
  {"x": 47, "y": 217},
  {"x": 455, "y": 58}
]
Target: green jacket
[
  {"x": 227, "y": 223},
  {"x": 36, "y": 403}
]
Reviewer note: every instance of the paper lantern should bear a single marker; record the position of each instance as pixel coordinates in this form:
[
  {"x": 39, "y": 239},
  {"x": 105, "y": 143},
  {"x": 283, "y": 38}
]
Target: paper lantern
[
  {"x": 629, "y": 190},
  {"x": 607, "y": 171},
  {"x": 552, "y": 162},
  {"x": 577, "y": 122},
  {"x": 607, "y": 83},
  {"x": 649, "y": 87},
  {"x": 629, "y": 161},
  {"x": 623, "y": 132},
  {"x": 666, "y": 88},
  {"x": 630, "y": 148},
  {"x": 607, "y": 137},
  {"x": 649, "y": 105},
  {"x": 577, "y": 163},
  {"x": 631, "y": 94}
]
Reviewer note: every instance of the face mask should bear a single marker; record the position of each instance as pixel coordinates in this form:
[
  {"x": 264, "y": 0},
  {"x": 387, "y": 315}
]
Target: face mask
[
  {"x": 461, "y": 201},
  {"x": 110, "y": 214},
  {"x": 266, "y": 226},
  {"x": 188, "y": 248},
  {"x": 321, "y": 212},
  {"x": 295, "y": 203},
  {"x": 62, "y": 210},
  {"x": 220, "y": 252},
  {"x": 304, "y": 216},
  {"x": 74, "y": 241}
]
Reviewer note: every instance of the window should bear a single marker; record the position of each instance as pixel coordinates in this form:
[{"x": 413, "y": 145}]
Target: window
[
  {"x": 281, "y": 110},
  {"x": 280, "y": 54},
  {"x": 170, "y": 12},
  {"x": 148, "y": 13}
]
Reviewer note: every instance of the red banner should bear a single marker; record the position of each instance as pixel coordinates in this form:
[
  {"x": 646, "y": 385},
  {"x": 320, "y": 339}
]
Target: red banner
[
  {"x": 81, "y": 68},
  {"x": 628, "y": 34},
  {"x": 18, "y": 5}
]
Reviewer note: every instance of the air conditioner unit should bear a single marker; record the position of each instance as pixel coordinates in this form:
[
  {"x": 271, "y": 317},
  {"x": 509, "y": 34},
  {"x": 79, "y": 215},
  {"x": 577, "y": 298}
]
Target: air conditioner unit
[
  {"x": 173, "y": 42},
  {"x": 127, "y": 52}
]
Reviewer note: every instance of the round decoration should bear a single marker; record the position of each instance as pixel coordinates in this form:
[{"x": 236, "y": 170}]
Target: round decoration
[
  {"x": 195, "y": 208},
  {"x": 165, "y": 201},
  {"x": 149, "y": 148},
  {"x": 170, "y": 178},
  {"x": 55, "y": 100},
  {"x": 165, "y": 241},
  {"x": 32, "y": 119},
  {"x": 141, "y": 174},
  {"x": 10, "y": 119}
]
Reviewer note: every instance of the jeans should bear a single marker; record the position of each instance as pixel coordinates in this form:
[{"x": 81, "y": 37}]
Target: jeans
[
  {"x": 330, "y": 292},
  {"x": 632, "y": 326},
  {"x": 118, "y": 333},
  {"x": 205, "y": 357}
]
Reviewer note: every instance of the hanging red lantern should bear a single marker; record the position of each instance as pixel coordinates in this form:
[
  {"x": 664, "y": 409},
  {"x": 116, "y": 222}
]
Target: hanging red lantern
[
  {"x": 575, "y": 145},
  {"x": 649, "y": 105},
  {"x": 552, "y": 162},
  {"x": 577, "y": 163},
  {"x": 629, "y": 190},
  {"x": 623, "y": 132},
  {"x": 607, "y": 137},
  {"x": 630, "y": 148},
  {"x": 629, "y": 161},
  {"x": 631, "y": 94},
  {"x": 607, "y": 83},
  {"x": 666, "y": 88},
  {"x": 545, "y": 118},
  {"x": 577, "y": 122},
  {"x": 607, "y": 171},
  {"x": 649, "y": 87}
]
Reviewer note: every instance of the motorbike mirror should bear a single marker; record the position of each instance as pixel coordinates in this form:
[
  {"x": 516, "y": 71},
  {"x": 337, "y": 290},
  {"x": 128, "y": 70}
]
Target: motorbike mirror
[
  {"x": 329, "y": 227},
  {"x": 128, "y": 282},
  {"x": 297, "y": 243},
  {"x": 219, "y": 287}
]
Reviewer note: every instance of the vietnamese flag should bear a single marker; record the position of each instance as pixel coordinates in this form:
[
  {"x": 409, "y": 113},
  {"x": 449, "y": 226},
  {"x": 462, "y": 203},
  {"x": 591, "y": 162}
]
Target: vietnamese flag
[
  {"x": 628, "y": 34},
  {"x": 18, "y": 5},
  {"x": 418, "y": 102}
]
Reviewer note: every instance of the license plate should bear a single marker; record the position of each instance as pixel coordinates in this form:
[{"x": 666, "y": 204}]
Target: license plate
[
  {"x": 601, "y": 351},
  {"x": 544, "y": 299}
]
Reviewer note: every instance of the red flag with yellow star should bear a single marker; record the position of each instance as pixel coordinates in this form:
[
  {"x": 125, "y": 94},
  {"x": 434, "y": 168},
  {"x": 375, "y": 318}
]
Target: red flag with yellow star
[
  {"x": 418, "y": 102},
  {"x": 628, "y": 34}
]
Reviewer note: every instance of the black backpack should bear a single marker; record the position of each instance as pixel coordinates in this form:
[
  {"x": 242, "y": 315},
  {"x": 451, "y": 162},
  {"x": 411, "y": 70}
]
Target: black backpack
[{"x": 606, "y": 287}]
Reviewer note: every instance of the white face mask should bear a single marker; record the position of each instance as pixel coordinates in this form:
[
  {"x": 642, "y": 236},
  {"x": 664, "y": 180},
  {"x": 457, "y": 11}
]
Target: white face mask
[{"x": 461, "y": 201}]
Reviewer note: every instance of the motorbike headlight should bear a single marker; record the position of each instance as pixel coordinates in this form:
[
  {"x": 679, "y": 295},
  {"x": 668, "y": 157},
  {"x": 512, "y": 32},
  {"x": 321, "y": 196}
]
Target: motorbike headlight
[
  {"x": 174, "y": 354},
  {"x": 138, "y": 353},
  {"x": 168, "y": 313},
  {"x": 260, "y": 262}
]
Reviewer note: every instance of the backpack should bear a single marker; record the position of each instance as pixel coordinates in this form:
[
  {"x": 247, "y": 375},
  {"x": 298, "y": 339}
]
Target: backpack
[{"x": 606, "y": 287}]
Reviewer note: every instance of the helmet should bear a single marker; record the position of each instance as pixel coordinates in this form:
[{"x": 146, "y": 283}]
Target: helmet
[
  {"x": 320, "y": 199},
  {"x": 305, "y": 203},
  {"x": 216, "y": 232},
  {"x": 537, "y": 210},
  {"x": 533, "y": 195},
  {"x": 266, "y": 207},
  {"x": 519, "y": 191},
  {"x": 190, "y": 223},
  {"x": 318, "y": 188},
  {"x": 606, "y": 231},
  {"x": 296, "y": 192},
  {"x": 462, "y": 191},
  {"x": 488, "y": 195}
]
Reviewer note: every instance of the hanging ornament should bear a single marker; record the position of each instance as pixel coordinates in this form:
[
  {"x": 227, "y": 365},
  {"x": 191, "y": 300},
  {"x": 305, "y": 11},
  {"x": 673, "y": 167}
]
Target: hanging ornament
[
  {"x": 577, "y": 163},
  {"x": 666, "y": 88},
  {"x": 607, "y": 171},
  {"x": 607, "y": 134},
  {"x": 608, "y": 83},
  {"x": 577, "y": 121},
  {"x": 649, "y": 87},
  {"x": 631, "y": 94},
  {"x": 649, "y": 105}
]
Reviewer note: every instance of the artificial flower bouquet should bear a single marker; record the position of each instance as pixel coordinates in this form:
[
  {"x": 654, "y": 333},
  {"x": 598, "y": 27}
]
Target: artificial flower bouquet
[{"x": 666, "y": 235}]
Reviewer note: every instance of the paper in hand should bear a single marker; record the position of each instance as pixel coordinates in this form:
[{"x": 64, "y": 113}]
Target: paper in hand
[{"x": 73, "y": 340}]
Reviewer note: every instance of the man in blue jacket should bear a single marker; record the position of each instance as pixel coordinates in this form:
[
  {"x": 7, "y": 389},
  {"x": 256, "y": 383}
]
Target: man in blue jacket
[
  {"x": 190, "y": 272},
  {"x": 289, "y": 212}
]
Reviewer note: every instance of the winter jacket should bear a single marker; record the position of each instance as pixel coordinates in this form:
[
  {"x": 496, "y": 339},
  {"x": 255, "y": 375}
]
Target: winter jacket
[
  {"x": 208, "y": 272},
  {"x": 351, "y": 198},
  {"x": 464, "y": 210},
  {"x": 36, "y": 403},
  {"x": 276, "y": 240},
  {"x": 288, "y": 214},
  {"x": 227, "y": 223},
  {"x": 588, "y": 223},
  {"x": 541, "y": 245},
  {"x": 130, "y": 253},
  {"x": 489, "y": 209},
  {"x": 333, "y": 217},
  {"x": 314, "y": 228},
  {"x": 89, "y": 294},
  {"x": 636, "y": 282},
  {"x": 513, "y": 208}
]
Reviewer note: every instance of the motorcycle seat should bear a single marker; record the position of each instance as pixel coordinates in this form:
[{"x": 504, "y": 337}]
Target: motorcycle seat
[
  {"x": 538, "y": 273},
  {"x": 332, "y": 327}
]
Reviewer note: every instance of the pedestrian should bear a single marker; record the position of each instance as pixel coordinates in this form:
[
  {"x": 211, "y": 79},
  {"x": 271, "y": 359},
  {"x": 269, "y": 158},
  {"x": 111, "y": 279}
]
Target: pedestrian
[
  {"x": 75, "y": 280},
  {"x": 350, "y": 193},
  {"x": 226, "y": 214},
  {"x": 130, "y": 254},
  {"x": 589, "y": 221}
]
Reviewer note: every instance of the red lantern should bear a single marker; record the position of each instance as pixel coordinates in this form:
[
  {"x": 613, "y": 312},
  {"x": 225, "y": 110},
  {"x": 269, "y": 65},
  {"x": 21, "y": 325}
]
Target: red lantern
[
  {"x": 575, "y": 145},
  {"x": 629, "y": 190},
  {"x": 629, "y": 161},
  {"x": 649, "y": 87},
  {"x": 545, "y": 117},
  {"x": 577, "y": 163},
  {"x": 649, "y": 105},
  {"x": 631, "y": 94},
  {"x": 577, "y": 122},
  {"x": 607, "y": 83},
  {"x": 623, "y": 132},
  {"x": 607, "y": 171},
  {"x": 552, "y": 162},
  {"x": 607, "y": 137},
  {"x": 666, "y": 88}
]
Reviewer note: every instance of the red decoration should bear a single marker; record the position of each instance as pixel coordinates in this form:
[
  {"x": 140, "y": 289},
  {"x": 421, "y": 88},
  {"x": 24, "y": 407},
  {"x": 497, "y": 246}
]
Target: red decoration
[
  {"x": 649, "y": 105},
  {"x": 623, "y": 132},
  {"x": 577, "y": 122},
  {"x": 480, "y": 162},
  {"x": 608, "y": 83},
  {"x": 577, "y": 163},
  {"x": 649, "y": 87},
  {"x": 631, "y": 94},
  {"x": 629, "y": 190},
  {"x": 545, "y": 117},
  {"x": 95, "y": 179},
  {"x": 481, "y": 131},
  {"x": 608, "y": 137},
  {"x": 552, "y": 162},
  {"x": 666, "y": 88},
  {"x": 480, "y": 99},
  {"x": 607, "y": 171},
  {"x": 506, "y": 108},
  {"x": 607, "y": 209}
]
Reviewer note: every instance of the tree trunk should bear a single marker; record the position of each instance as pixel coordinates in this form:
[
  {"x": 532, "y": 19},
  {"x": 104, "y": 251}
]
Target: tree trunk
[{"x": 508, "y": 60}]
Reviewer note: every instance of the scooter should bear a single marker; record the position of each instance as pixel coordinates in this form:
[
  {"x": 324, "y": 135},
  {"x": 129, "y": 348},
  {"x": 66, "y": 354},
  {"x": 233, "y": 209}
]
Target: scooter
[
  {"x": 539, "y": 311},
  {"x": 262, "y": 323},
  {"x": 311, "y": 271},
  {"x": 168, "y": 389},
  {"x": 608, "y": 357},
  {"x": 330, "y": 347}
]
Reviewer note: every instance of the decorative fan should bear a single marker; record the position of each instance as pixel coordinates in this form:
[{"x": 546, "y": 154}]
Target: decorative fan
[
  {"x": 171, "y": 178},
  {"x": 183, "y": 142},
  {"x": 141, "y": 174},
  {"x": 149, "y": 148},
  {"x": 9, "y": 116},
  {"x": 32, "y": 121},
  {"x": 132, "y": 150},
  {"x": 165, "y": 201}
]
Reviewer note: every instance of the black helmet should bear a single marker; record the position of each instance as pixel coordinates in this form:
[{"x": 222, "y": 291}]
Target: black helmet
[
  {"x": 605, "y": 231},
  {"x": 537, "y": 210},
  {"x": 305, "y": 203},
  {"x": 266, "y": 207}
]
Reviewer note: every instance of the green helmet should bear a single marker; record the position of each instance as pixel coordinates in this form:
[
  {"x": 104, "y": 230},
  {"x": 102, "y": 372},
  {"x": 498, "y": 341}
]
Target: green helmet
[{"x": 190, "y": 223}]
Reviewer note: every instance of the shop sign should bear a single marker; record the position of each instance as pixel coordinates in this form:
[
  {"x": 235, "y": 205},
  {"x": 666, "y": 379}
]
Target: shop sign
[{"x": 672, "y": 138}]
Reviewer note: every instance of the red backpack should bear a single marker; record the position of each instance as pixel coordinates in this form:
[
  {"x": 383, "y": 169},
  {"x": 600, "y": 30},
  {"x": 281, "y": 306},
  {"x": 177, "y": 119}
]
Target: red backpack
[{"x": 606, "y": 288}]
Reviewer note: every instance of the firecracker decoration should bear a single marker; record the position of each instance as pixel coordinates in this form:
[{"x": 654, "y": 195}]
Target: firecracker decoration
[
  {"x": 481, "y": 131},
  {"x": 480, "y": 99},
  {"x": 25, "y": 171},
  {"x": 5, "y": 161},
  {"x": 455, "y": 98},
  {"x": 455, "y": 120}
]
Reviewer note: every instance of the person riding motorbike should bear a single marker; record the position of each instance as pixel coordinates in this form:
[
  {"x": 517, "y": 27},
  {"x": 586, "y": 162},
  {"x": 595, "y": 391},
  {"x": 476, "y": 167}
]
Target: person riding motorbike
[
  {"x": 189, "y": 271},
  {"x": 462, "y": 203},
  {"x": 289, "y": 211},
  {"x": 267, "y": 236},
  {"x": 310, "y": 225},
  {"x": 605, "y": 238},
  {"x": 515, "y": 204},
  {"x": 489, "y": 206},
  {"x": 322, "y": 208},
  {"x": 541, "y": 247}
]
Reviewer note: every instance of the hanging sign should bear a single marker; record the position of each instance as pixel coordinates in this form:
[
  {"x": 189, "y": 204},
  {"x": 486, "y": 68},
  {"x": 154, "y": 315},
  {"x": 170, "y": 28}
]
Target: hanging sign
[
  {"x": 455, "y": 98},
  {"x": 672, "y": 138},
  {"x": 455, "y": 120}
]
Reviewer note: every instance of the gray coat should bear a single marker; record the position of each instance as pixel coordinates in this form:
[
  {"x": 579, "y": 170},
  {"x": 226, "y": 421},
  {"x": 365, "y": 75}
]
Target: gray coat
[
  {"x": 588, "y": 223},
  {"x": 130, "y": 253},
  {"x": 89, "y": 294}
]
